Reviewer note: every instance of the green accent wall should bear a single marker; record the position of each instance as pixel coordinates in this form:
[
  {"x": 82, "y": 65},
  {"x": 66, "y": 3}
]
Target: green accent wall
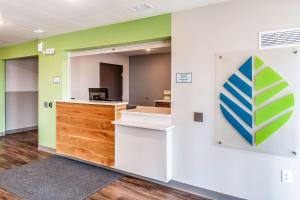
[
  {"x": 26, "y": 49},
  {"x": 147, "y": 29},
  {"x": 137, "y": 31}
]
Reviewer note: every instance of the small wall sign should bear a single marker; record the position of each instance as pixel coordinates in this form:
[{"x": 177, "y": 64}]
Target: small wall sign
[
  {"x": 183, "y": 77},
  {"x": 50, "y": 51}
]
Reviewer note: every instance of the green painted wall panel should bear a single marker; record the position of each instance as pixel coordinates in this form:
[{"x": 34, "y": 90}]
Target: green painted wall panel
[
  {"x": 18, "y": 51},
  {"x": 147, "y": 29},
  {"x": 49, "y": 66},
  {"x": 137, "y": 31},
  {"x": 2, "y": 96}
]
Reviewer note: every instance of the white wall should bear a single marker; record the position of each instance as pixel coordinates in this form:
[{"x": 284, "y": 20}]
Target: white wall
[
  {"x": 22, "y": 75},
  {"x": 196, "y": 36},
  {"x": 144, "y": 69},
  {"x": 21, "y": 111},
  {"x": 85, "y": 73}
]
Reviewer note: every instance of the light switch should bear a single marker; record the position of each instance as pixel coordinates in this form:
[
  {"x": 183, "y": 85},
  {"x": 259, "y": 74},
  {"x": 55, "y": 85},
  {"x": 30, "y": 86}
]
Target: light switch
[{"x": 56, "y": 80}]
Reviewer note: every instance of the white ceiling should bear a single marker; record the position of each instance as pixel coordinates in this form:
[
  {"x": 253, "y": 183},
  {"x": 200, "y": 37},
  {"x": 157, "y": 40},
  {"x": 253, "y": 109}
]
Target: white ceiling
[{"x": 21, "y": 17}]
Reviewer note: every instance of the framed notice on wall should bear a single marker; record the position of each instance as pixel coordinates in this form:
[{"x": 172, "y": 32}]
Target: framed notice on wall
[{"x": 183, "y": 77}]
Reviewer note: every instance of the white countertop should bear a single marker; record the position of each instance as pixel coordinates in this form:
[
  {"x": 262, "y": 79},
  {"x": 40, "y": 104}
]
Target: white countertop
[
  {"x": 155, "y": 118},
  {"x": 109, "y": 103},
  {"x": 144, "y": 125},
  {"x": 152, "y": 111}
]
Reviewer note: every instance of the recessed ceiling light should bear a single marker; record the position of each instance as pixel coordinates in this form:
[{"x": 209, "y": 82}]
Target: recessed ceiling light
[
  {"x": 141, "y": 7},
  {"x": 148, "y": 49},
  {"x": 1, "y": 22},
  {"x": 39, "y": 31}
]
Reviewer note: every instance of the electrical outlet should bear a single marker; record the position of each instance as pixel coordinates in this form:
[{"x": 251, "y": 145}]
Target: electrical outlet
[{"x": 286, "y": 176}]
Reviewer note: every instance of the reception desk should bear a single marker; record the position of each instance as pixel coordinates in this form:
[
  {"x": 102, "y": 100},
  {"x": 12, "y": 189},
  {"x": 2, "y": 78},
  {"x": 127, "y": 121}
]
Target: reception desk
[
  {"x": 137, "y": 141},
  {"x": 144, "y": 142},
  {"x": 84, "y": 130}
]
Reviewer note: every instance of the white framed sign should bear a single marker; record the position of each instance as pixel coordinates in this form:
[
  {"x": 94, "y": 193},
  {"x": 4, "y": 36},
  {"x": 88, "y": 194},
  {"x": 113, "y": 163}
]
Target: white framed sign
[{"x": 183, "y": 77}]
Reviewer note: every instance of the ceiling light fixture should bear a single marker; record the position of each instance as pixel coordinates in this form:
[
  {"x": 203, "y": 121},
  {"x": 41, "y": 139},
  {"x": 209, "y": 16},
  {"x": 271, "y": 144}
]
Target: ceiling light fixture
[
  {"x": 39, "y": 31},
  {"x": 140, "y": 7},
  {"x": 148, "y": 49}
]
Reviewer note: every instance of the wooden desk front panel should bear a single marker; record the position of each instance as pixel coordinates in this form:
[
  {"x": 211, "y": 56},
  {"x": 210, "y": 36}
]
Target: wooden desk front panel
[{"x": 85, "y": 132}]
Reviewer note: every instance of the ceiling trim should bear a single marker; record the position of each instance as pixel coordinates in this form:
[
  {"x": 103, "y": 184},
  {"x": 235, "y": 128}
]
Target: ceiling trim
[{"x": 119, "y": 49}]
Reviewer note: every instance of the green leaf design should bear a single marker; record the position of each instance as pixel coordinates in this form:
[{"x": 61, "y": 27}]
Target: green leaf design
[
  {"x": 255, "y": 101},
  {"x": 265, "y": 78},
  {"x": 269, "y": 84},
  {"x": 267, "y": 131},
  {"x": 266, "y": 95},
  {"x": 258, "y": 62}
]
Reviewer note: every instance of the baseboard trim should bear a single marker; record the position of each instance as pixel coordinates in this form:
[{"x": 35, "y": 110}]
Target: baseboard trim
[
  {"x": 21, "y": 130},
  {"x": 200, "y": 191},
  {"x": 209, "y": 194},
  {"x": 46, "y": 149}
]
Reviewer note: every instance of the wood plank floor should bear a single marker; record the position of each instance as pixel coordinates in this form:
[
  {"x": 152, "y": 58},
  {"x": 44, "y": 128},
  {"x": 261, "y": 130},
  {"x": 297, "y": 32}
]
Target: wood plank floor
[{"x": 21, "y": 148}]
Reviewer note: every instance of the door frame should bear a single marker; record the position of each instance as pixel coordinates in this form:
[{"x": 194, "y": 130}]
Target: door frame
[{"x": 3, "y": 109}]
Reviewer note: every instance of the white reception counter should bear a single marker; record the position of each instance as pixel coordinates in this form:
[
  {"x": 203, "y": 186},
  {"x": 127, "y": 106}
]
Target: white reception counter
[{"x": 144, "y": 142}]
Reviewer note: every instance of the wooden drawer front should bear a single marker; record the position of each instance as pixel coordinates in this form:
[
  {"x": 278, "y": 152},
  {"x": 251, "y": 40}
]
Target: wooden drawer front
[
  {"x": 86, "y": 132},
  {"x": 163, "y": 104}
]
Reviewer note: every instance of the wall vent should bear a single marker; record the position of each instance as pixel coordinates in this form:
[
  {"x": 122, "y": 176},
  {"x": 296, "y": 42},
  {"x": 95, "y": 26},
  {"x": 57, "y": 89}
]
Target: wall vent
[
  {"x": 279, "y": 38},
  {"x": 141, "y": 7}
]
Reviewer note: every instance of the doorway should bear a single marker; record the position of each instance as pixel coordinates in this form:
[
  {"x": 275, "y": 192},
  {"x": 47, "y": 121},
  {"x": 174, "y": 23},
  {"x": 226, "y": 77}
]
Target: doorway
[
  {"x": 111, "y": 77},
  {"x": 21, "y": 95}
]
